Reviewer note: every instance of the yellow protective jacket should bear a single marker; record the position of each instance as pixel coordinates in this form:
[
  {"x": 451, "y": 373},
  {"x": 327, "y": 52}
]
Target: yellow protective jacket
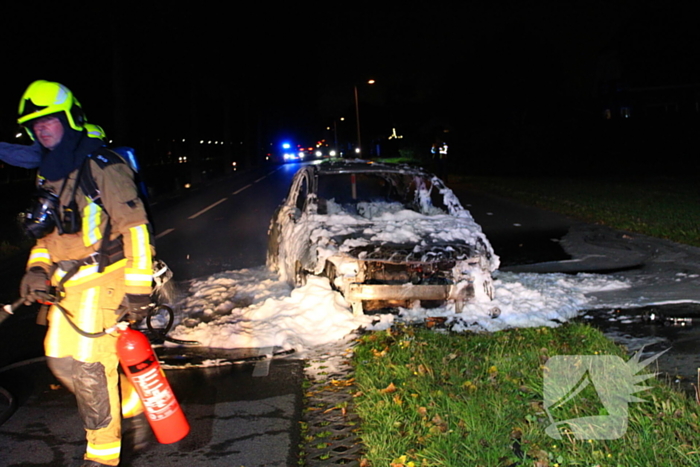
[{"x": 117, "y": 195}]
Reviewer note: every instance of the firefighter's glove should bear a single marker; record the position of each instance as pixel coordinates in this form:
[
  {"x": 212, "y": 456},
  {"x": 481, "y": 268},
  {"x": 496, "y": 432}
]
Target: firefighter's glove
[
  {"x": 34, "y": 283},
  {"x": 137, "y": 307}
]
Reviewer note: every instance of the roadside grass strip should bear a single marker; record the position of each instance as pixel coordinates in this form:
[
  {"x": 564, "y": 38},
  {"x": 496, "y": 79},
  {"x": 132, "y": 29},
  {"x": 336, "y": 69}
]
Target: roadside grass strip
[
  {"x": 659, "y": 207},
  {"x": 427, "y": 398}
]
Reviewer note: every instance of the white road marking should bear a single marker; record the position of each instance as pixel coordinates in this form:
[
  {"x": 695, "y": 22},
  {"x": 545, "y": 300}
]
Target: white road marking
[
  {"x": 262, "y": 368},
  {"x": 194, "y": 216},
  {"x": 207, "y": 208},
  {"x": 164, "y": 233},
  {"x": 238, "y": 191}
]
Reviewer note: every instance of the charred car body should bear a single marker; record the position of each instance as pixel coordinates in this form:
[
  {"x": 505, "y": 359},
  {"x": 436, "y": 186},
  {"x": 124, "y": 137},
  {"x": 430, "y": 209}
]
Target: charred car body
[{"x": 385, "y": 235}]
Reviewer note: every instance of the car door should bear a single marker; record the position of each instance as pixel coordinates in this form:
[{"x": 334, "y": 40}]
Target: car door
[{"x": 295, "y": 255}]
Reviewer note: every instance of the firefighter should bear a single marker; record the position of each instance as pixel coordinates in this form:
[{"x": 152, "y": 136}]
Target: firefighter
[{"x": 95, "y": 249}]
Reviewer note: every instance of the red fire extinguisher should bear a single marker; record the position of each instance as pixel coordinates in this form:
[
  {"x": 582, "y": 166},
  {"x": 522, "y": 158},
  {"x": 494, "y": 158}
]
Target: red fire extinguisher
[{"x": 141, "y": 366}]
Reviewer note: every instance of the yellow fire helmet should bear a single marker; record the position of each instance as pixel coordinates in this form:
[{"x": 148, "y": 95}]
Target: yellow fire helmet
[
  {"x": 47, "y": 97},
  {"x": 94, "y": 131}
]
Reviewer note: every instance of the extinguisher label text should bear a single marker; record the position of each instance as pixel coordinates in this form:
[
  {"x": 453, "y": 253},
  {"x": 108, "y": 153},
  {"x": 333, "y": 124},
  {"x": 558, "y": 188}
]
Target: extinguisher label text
[
  {"x": 139, "y": 367},
  {"x": 156, "y": 396}
]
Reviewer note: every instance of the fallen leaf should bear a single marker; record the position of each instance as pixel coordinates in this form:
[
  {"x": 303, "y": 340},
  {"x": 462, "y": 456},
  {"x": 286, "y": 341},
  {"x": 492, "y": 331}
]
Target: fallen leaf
[
  {"x": 469, "y": 385},
  {"x": 433, "y": 321},
  {"x": 450, "y": 357},
  {"x": 536, "y": 406},
  {"x": 389, "y": 389},
  {"x": 342, "y": 383},
  {"x": 439, "y": 423}
]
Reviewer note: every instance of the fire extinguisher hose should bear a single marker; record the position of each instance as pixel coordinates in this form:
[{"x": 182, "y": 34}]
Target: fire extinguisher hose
[
  {"x": 8, "y": 310},
  {"x": 163, "y": 333},
  {"x": 89, "y": 334}
]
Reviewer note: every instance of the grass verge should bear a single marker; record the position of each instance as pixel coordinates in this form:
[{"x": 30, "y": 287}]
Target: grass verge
[
  {"x": 433, "y": 399},
  {"x": 660, "y": 207}
]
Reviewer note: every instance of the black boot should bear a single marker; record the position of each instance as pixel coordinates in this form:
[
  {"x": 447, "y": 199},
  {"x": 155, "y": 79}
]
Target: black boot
[{"x": 136, "y": 433}]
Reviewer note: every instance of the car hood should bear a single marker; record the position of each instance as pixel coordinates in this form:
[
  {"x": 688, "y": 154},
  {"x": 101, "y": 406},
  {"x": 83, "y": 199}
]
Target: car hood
[
  {"x": 424, "y": 252},
  {"x": 402, "y": 236}
]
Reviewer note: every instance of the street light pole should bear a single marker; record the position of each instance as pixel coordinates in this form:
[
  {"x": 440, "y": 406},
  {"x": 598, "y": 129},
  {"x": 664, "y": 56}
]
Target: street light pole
[{"x": 357, "y": 115}]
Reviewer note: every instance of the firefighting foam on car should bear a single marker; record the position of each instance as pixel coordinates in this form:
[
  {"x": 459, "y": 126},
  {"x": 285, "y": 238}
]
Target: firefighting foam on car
[
  {"x": 384, "y": 235},
  {"x": 391, "y": 243}
]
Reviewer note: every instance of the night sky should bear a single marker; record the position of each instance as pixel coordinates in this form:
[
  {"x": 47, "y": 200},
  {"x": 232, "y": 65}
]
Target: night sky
[{"x": 261, "y": 71}]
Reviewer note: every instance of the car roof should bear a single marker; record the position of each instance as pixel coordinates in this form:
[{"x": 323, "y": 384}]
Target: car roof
[{"x": 339, "y": 166}]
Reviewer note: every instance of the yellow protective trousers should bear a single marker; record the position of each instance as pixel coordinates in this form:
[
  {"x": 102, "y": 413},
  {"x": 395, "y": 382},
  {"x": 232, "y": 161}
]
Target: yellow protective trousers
[{"x": 88, "y": 366}]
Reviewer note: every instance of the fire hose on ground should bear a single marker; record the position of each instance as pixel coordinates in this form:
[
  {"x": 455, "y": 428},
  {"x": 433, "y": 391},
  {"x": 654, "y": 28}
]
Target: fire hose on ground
[{"x": 137, "y": 359}]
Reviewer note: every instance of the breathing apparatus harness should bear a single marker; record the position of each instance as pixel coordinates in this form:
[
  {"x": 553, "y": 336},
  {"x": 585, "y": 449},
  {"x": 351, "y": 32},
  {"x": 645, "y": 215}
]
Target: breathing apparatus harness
[{"x": 46, "y": 213}]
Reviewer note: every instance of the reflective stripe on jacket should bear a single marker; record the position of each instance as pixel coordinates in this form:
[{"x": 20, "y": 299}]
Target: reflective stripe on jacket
[{"x": 118, "y": 195}]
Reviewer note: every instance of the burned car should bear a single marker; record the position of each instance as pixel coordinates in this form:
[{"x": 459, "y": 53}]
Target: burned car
[{"x": 385, "y": 235}]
